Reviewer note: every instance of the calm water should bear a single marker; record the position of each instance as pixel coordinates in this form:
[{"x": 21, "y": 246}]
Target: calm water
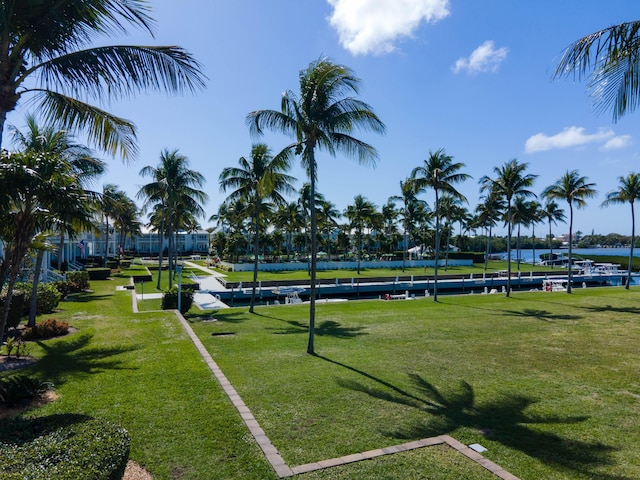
[{"x": 527, "y": 254}]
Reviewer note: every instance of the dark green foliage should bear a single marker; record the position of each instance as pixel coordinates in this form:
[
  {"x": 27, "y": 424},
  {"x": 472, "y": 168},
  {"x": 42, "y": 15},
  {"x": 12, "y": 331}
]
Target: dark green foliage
[
  {"x": 112, "y": 264},
  {"x": 48, "y": 296},
  {"x": 125, "y": 263},
  {"x": 17, "y": 388},
  {"x": 64, "y": 287},
  {"x": 98, "y": 273},
  {"x": 19, "y": 306},
  {"x": 46, "y": 329},
  {"x": 78, "y": 281},
  {"x": 64, "y": 447},
  {"x": 170, "y": 299}
]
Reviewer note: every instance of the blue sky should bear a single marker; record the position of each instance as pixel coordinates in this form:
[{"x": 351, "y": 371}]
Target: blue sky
[{"x": 470, "y": 76}]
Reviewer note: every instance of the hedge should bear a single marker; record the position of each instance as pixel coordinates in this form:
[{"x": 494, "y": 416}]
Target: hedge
[
  {"x": 170, "y": 299},
  {"x": 99, "y": 273},
  {"x": 64, "y": 447}
]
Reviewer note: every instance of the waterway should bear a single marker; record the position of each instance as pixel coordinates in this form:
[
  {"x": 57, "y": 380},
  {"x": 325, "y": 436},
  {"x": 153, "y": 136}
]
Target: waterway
[{"x": 526, "y": 255}]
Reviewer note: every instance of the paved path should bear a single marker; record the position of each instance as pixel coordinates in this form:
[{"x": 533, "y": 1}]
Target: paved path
[{"x": 271, "y": 452}]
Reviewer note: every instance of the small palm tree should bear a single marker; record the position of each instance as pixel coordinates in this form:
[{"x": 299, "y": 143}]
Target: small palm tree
[
  {"x": 360, "y": 214},
  {"x": 628, "y": 191},
  {"x": 176, "y": 188},
  {"x": 440, "y": 173},
  {"x": 43, "y": 56},
  {"x": 328, "y": 215},
  {"x": 510, "y": 181},
  {"x": 489, "y": 211},
  {"x": 322, "y": 117},
  {"x": 410, "y": 189},
  {"x": 258, "y": 179},
  {"x": 572, "y": 188},
  {"x": 554, "y": 214}
]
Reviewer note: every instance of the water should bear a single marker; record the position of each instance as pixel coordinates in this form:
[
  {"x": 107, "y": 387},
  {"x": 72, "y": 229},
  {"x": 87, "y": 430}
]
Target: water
[{"x": 526, "y": 255}]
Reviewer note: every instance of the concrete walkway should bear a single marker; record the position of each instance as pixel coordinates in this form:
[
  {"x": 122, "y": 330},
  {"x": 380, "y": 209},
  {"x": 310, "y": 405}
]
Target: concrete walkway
[{"x": 271, "y": 452}]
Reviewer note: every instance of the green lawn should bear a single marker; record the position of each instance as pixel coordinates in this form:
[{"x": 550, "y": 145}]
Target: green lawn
[
  {"x": 547, "y": 382},
  {"x": 476, "y": 269}
]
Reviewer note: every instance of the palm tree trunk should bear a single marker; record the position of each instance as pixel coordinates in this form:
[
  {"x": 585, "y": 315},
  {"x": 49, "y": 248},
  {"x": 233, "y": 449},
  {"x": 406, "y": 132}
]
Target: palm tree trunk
[
  {"x": 570, "y": 275},
  {"x": 312, "y": 299},
  {"x": 255, "y": 253},
  {"x": 106, "y": 241},
  {"x": 33, "y": 301},
  {"x": 61, "y": 249},
  {"x": 435, "y": 268},
  {"x": 446, "y": 253},
  {"x": 359, "y": 249},
  {"x": 550, "y": 244},
  {"x": 518, "y": 247},
  {"x": 160, "y": 251},
  {"x": 508, "y": 247},
  {"x": 633, "y": 241},
  {"x": 533, "y": 244},
  {"x": 486, "y": 257}
]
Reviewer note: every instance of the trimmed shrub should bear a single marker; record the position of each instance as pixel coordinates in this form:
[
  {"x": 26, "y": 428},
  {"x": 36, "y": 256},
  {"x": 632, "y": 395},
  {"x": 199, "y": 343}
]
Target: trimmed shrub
[
  {"x": 170, "y": 299},
  {"x": 98, "y": 273},
  {"x": 112, "y": 264},
  {"x": 18, "y": 388},
  {"x": 48, "y": 298},
  {"x": 19, "y": 306},
  {"x": 78, "y": 281},
  {"x": 63, "y": 287},
  {"x": 64, "y": 447},
  {"x": 46, "y": 329},
  {"x": 125, "y": 263}
]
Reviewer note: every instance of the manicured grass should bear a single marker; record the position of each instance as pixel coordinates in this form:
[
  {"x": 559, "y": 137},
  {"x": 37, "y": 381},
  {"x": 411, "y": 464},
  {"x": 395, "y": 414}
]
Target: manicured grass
[
  {"x": 547, "y": 382},
  {"x": 476, "y": 269}
]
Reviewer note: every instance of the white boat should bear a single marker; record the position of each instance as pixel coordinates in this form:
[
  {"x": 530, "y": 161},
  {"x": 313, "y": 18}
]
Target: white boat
[{"x": 554, "y": 285}]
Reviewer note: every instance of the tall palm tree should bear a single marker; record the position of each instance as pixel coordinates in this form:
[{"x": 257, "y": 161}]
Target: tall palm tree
[
  {"x": 327, "y": 221},
  {"x": 260, "y": 178},
  {"x": 611, "y": 59},
  {"x": 290, "y": 219},
  {"x": 322, "y": 117},
  {"x": 304, "y": 204},
  {"x": 572, "y": 188},
  {"x": 176, "y": 188},
  {"x": 535, "y": 216},
  {"x": 520, "y": 217},
  {"x": 440, "y": 173},
  {"x": 628, "y": 191},
  {"x": 554, "y": 214},
  {"x": 409, "y": 189},
  {"x": 46, "y": 56},
  {"x": 360, "y": 214},
  {"x": 510, "y": 181}
]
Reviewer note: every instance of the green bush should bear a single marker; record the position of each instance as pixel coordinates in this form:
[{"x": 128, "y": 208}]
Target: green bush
[
  {"x": 125, "y": 263},
  {"x": 78, "y": 281},
  {"x": 112, "y": 264},
  {"x": 17, "y": 388},
  {"x": 64, "y": 447},
  {"x": 19, "y": 306},
  {"x": 64, "y": 287},
  {"x": 98, "y": 273},
  {"x": 170, "y": 299},
  {"x": 46, "y": 329},
  {"x": 48, "y": 298}
]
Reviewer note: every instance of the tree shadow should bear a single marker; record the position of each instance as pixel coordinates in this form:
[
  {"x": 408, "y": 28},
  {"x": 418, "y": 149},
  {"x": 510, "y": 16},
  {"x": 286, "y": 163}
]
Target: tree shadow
[
  {"x": 222, "y": 317},
  {"x": 327, "y": 328},
  {"x": 503, "y": 420},
  {"x": 543, "y": 315},
  {"x": 84, "y": 297},
  {"x": 76, "y": 356},
  {"x": 610, "y": 308}
]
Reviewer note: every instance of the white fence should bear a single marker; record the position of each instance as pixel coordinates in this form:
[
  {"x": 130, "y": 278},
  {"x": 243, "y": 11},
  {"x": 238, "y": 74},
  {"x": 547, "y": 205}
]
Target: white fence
[{"x": 323, "y": 265}]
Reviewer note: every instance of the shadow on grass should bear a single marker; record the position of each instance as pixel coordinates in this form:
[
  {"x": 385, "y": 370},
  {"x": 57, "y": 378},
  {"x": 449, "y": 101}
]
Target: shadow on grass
[
  {"x": 77, "y": 356},
  {"x": 612, "y": 309},
  {"x": 543, "y": 315},
  {"x": 231, "y": 317},
  {"x": 328, "y": 328},
  {"x": 503, "y": 420},
  {"x": 84, "y": 297}
]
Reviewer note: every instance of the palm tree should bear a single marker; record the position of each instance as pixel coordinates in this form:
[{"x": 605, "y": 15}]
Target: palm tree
[
  {"x": 110, "y": 202},
  {"x": 554, "y": 214},
  {"x": 520, "y": 217},
  {"x": 440, "y": 173},
  {"x": 327, "y": 221},
  {"x": 175, "y": 187},
  {"x": 33, "y": 185},
  {"x": 80, "y": 159},
  {"x": 304, "y": 204},
  {"x": 628, "y": 191},
  {"x": 260, "y": 178},
  {"x": 322, "y": 117},
  {"x": 360, "y": 213},
  {"x": 610, "y": 57},
  {"x": 489, "y": 211},
  {"x": 510, "y": 181},
  {"x": 410, "y": 190},
  {"x": 535, "y": 216},
  {"x": 572, "y": 188},
  {"x": 290, "y": 219},
  {"x": 44, "y": 54}
]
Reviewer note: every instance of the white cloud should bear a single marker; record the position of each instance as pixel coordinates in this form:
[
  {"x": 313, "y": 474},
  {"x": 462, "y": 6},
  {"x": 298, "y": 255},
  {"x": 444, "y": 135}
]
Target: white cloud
[
  {"x": 374, "y": 26},
  {"x": 485, "y": 58},
  {"x": 575, "y": 137}
]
